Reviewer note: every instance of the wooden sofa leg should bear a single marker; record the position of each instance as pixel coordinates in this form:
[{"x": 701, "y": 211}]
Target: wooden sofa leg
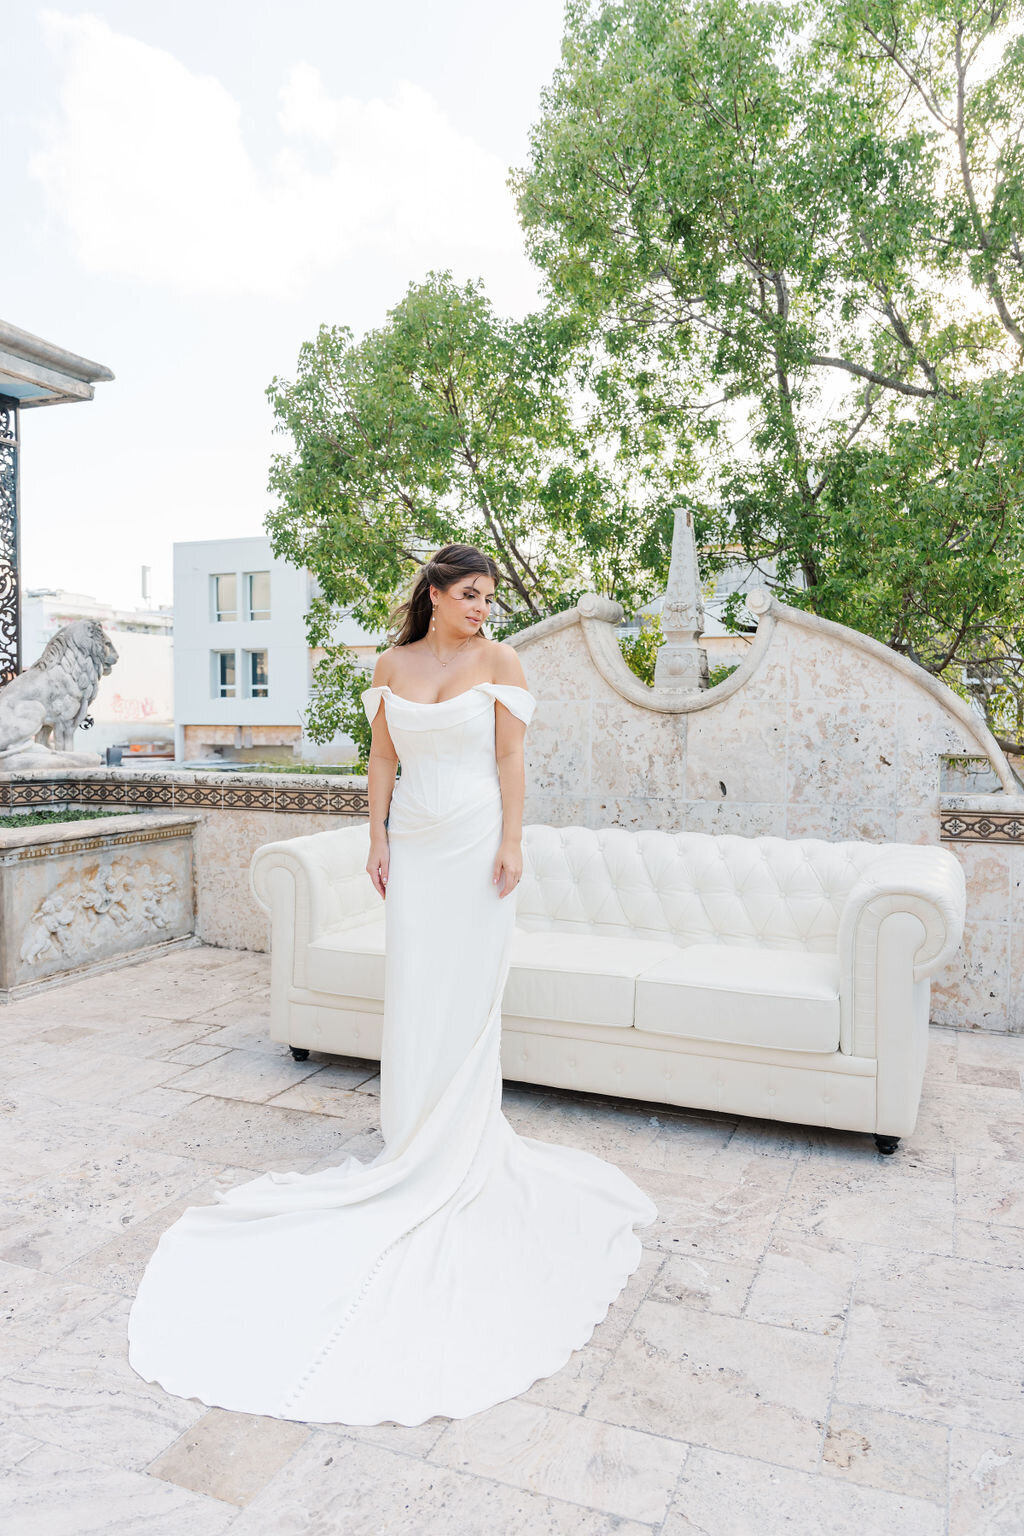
[
  {"x": 887, "y": 1144},
  {"x": 299, "y": 1053}
]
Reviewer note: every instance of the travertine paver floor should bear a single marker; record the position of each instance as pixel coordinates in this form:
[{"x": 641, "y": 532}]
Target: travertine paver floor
[{"x": 818, "y": 1338}]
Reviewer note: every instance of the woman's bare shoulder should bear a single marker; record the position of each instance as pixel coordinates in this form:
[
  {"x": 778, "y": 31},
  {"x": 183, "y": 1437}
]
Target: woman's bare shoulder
[
  {"x": 384, "y": 668},
  {"x": 395, "y": 663},
  {"x": 505, "y": 664}
]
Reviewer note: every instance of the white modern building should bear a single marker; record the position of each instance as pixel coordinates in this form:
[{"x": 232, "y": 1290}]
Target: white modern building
[
  {"x": 242, "y": 665},
  {"x": 134, "y": 707}
]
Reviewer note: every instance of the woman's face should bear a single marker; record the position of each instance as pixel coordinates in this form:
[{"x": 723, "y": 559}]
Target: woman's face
[{"x": 465, "y": 606}]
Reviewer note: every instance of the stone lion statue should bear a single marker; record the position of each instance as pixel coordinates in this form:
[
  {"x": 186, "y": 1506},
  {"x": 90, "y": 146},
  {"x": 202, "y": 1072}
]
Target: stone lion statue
[{"x": 42, "y": 707}]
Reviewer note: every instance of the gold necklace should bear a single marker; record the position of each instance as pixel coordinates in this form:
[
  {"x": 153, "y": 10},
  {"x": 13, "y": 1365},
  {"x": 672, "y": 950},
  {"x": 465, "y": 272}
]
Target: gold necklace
[{"x": 453, "y": 655}]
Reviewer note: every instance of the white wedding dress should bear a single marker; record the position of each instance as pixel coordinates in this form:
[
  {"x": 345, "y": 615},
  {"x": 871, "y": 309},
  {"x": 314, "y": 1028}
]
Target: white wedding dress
[{"x": 463, "y": 1262}]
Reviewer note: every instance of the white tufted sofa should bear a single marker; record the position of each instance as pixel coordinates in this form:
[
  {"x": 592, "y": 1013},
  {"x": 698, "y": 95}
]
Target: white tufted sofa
[{"x": 787, "y": 979}]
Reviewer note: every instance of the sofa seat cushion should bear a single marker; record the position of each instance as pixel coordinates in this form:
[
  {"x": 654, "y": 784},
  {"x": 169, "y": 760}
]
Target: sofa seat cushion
[
  {"x": 348, "y": 962},
  {"x": 578, "y": 978},
  {"x": 781, "y": 998}
]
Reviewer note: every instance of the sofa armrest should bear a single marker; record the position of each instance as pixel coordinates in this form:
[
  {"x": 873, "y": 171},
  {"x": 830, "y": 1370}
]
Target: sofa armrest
[
  {"x": 311, "y": 885},
  {"x": 923, "y": 883},
  {"x": 333, "y": 867}
]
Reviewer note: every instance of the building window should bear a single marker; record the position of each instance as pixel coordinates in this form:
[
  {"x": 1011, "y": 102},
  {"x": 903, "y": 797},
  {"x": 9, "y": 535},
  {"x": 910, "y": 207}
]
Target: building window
[
  {"x": 225, "y": 598},
  {"x": 259, "y": 681},
  {"x": 257, "y": 594},
  {"x": 223, "y": 674}
]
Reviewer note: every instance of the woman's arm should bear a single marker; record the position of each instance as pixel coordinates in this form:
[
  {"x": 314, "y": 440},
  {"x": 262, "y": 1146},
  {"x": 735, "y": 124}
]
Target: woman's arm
[
  {"x": 380, "y": 784},
  {"x": 508, "y": 750}
]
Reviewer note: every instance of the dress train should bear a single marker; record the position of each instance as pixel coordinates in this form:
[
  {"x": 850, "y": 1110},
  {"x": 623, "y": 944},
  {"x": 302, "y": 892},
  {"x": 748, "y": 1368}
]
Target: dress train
[{"x": 464, "y": 1262}]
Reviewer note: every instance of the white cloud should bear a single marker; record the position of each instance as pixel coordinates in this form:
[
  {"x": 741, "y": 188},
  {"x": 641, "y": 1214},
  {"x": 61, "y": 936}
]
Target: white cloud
[{"x": 149, "y": 167}]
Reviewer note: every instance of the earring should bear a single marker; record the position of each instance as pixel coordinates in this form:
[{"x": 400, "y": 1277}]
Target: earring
[{"x": 433, "y": 618}]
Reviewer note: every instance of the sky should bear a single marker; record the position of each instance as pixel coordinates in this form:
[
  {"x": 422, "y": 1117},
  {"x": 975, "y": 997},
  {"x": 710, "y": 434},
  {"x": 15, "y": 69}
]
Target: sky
[{"x": 190, "y": 190}]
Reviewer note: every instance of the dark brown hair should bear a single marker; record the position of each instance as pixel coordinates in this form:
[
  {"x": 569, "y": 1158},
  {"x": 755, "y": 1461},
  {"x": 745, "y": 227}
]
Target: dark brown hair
[{"x": 411, "y": 619}]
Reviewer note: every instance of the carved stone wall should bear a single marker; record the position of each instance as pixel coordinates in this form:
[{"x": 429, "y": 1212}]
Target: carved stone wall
[
  {"x": 821, "y": 733},
  {"x": 86, "y": 894}
]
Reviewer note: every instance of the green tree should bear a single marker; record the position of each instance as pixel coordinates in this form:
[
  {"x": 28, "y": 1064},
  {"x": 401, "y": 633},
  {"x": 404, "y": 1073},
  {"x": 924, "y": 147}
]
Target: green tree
[
  {"x": 335, "y": 702},
  {"x": 451, "y": 424},
  {"x": 801, "y": 224}
]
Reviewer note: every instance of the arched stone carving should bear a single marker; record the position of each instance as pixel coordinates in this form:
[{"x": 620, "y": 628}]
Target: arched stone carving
[{"x": 598, "y": 618}]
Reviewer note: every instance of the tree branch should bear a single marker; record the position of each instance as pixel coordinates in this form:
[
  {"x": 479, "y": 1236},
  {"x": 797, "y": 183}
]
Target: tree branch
[
  {"x": 899, "y": 385},
  {"x": 890, "y": 51},
  {"x": 991, "y": 281}
]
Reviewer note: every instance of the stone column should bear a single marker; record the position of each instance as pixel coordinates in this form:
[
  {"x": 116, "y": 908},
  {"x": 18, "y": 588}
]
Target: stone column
[{"x": 682, "y": 664}]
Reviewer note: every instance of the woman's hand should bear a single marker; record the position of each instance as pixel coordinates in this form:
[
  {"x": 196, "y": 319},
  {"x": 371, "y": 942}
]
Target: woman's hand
[
  {"x": 508, "y": 867},
  {"x": 377, "y": 864}
]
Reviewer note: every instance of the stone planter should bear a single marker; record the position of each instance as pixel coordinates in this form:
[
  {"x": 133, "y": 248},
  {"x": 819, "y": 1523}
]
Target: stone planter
[
  {"x": 84, "y": 896},
  {"x": 236, "y": 813}
]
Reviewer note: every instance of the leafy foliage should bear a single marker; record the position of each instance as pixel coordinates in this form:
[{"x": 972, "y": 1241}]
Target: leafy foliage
[
  {"x": 641, "y": 650},
  {"x": 331, "y": 770},
  {"x": 20, "y": 819},
  {"x": 335, "y": 704},
  {"x": 800, "y": 224},
  {"x": 450, "y": 424},
  {"x": 783, "y": 246}
]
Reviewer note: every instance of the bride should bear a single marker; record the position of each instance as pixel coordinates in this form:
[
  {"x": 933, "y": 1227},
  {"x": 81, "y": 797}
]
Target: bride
[{"x": 463, "y": 1262}]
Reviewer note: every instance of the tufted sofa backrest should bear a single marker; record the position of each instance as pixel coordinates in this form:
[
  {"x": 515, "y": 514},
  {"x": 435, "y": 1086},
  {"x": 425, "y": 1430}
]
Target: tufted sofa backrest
[{"x": 694, "y": 887}]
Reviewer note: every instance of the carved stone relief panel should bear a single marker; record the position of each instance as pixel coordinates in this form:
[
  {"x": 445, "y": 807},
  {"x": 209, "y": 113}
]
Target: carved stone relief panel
[
  {"x": 69, "y": 904},
  {"x": 118, "y": 900}
]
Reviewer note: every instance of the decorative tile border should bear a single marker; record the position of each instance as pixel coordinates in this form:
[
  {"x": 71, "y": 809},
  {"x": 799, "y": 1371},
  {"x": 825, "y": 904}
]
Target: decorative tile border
[
  {"x": 283, "y": 795},
  {"x": 29, "y": 794},
  {"x": 350, "y": 802},
  {"x": 981, "y": 827},
  {"x": 99, "y": 793},
  {"x": 153, "y": 794},
  {"x": 247, "y": 799},
  {"x": 203, "y": 792},
  {"x": 203, "y": 797},
  {"x": 287, "y": 794},
  {"x": 302, "y": 800},
  {"x": 112, "y": 839}
]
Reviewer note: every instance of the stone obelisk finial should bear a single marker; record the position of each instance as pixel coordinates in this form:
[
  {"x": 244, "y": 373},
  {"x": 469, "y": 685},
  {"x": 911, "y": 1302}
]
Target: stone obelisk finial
[{"x": 682, "y": 664}]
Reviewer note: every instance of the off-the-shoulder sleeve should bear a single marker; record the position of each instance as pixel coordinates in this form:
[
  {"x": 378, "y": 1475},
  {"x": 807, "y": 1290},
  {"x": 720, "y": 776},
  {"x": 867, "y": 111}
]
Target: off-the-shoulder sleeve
[
  {"x": 515, "y": 699},
  {"x": 371, "y": 698}
]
